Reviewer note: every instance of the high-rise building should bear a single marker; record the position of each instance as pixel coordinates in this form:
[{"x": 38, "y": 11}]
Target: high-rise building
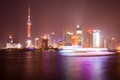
[
  {"x": 44, "y": 42},
  {"x": 29, "y": 41},
  {"x": 103, "y": 42},
  {"x": 68, "y": 38},
  {"x": 89, "y": 38},
  {"x": 79, "y": 33},
  {"x": 28, "y": 24},
  {"x": 37, "y": 43},
  {"x": 96, "y": 38},
  {"x": 12, "y": 44},
  {"x": 74, "y": 40},
  {"x": 51, "y": 39}
]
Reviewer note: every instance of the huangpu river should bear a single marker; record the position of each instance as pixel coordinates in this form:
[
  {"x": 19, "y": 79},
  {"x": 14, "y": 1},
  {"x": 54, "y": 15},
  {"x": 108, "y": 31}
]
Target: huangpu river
[{"x": 34, "y": 65}]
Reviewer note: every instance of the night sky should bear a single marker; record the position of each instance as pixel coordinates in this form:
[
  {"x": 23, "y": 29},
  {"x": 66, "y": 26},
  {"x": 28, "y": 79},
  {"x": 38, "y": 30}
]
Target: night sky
[{"x": 55, "y": 15}]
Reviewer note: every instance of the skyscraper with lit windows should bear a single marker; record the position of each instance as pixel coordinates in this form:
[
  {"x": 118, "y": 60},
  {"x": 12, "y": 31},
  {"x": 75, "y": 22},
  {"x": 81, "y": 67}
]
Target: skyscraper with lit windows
[
  {"x": 89, "y": 38},
  {"x": 96, "y": 38},
  {"x": 79, "y": 34},
  {"x": 44, "y": 42}
]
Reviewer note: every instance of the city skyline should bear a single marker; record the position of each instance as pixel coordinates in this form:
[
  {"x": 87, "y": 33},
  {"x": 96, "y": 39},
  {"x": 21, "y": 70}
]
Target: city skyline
[{"x": 53, "y": 16}]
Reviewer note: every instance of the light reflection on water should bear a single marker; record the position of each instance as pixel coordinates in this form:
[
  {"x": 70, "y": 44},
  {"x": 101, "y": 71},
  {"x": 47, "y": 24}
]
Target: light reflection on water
[
  {"x": 91, "y": 67},
  {"x": 84, "y": 68},
  {"x": 52, "y": 66},
  {"x": 40, "y": 66}
]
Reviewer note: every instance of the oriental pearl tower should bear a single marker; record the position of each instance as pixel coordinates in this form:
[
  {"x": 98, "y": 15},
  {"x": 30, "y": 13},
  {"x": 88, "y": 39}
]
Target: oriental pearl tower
[
  {"x": 28, "y": 25},
  {"x": 29, "y": 41}
]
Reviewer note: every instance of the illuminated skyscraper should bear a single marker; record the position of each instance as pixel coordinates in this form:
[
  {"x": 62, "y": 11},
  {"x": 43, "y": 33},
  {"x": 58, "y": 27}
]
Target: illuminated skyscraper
[
  {"x": 37, "y": 43},
  {"x": 28, "y": 24},
  {"x": 68, "y": 38},
  {"x": 74, "y": 40},
  {"x": 51, "y": 39},
  {"x": 44, "y": 42},
  {"x": 29, "y": 41},
  {"x": 89, "y": 38},
  {"x": 80, "y": 35},
  {"x": 96, "y": 38}
]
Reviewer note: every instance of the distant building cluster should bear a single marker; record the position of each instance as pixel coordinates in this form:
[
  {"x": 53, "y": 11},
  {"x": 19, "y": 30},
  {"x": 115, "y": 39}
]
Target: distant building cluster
[
  {"x": 11, "y": 44},
  {"x": 90, "y": 39}
]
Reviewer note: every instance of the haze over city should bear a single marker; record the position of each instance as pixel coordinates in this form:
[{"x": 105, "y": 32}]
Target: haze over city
[
  {"x": 54, "y": 15},
  {"x": 59, "y": 40}
]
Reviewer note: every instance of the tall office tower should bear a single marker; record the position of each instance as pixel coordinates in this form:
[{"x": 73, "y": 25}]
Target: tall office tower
[
  {"x": 96, "y": 38},
  {"x": 51, "y": 39},
  {"x": 44, "y": 42},
  {"x": 68, "y": 38},
  {"x": 65, "y": 36},
  {"x": 37, "y": 43},
  {"x": 103, "y": 42},
  {"x": 80, "y": 35},
  {"x": 89, "y": 38},
  {"x": 74, "y": 40}
]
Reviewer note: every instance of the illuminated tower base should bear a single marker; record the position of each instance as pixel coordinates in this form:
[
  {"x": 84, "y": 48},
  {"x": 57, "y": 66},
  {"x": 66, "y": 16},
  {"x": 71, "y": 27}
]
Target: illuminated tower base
[{"x": 29, "y": 44}]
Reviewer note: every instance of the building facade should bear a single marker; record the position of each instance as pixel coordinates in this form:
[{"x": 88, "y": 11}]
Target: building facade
[
  {"x": 96, "y": 38},
  {"x": 89, "y": 38},
  {"x": 79, "y": 33}
]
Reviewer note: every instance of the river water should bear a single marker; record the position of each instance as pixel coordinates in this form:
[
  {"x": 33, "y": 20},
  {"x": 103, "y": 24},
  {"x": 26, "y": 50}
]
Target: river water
[{"x": 34, "y": 65}]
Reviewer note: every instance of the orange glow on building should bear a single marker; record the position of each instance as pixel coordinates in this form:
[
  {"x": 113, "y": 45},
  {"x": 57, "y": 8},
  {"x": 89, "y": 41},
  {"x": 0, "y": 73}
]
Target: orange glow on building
[
  {"x": 44, "y": 42},
  {"x": 45, "y": 37},
  {"x": 28, "y": 31},
  {"x": 10, "y": 36},
  {"x": 74, "y": 40},
  {"x": 89, "y": 30},
  {"x": 89, "y": 38}
]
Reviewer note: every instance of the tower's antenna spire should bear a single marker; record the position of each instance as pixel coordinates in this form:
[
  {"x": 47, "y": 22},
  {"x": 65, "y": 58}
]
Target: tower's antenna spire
[{"x": 28, "y": 13}]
